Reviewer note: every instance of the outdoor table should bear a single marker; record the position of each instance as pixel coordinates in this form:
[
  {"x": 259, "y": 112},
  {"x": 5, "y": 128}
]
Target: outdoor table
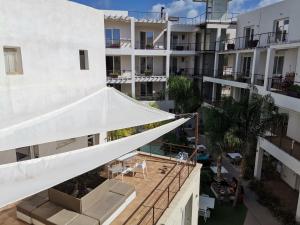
[
  {"x": 206, "y": 202},
  {"x": 214, "y": 169},
  {"x": 234, "y": 155}
]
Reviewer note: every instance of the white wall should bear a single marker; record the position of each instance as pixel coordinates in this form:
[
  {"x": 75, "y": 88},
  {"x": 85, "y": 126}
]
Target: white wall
[
  {"x": 293, "y": 130},
  {"x": 263, "y": 18},
  {"x": 50, "y": 35},
  {"x": 289, "y": 176}
]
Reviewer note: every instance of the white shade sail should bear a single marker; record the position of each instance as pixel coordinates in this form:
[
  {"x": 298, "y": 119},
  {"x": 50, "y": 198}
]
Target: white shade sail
[
  {"x": 102, "y": 111},
  {"x": 22, "y": 179}
]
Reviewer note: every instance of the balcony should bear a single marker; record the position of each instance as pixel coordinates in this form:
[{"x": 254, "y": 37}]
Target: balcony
[
  {"x": 118, "y": 76},
  {"x": 150, "y": 77},
  {"x": 151, "y": 97},
  {"x": 256, "y": 41},
  {"x": 259, "y": 79},
  {"x": 148, "y": 17},
  {"x": 118, "y": 43},
  {"x": 154, "y": 46},
  {"x": 183, "y": 46},
  {"x": 285, "y": 85},
  {"x": 235, "y": 76},
  {"x": 286, "y": 144},
  {"x": 183, "y": 72}
]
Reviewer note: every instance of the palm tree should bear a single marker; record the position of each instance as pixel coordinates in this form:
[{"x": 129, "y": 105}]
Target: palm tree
[
  {"x": 185, "y": 94},
  {"x": 246, "y": 120}
]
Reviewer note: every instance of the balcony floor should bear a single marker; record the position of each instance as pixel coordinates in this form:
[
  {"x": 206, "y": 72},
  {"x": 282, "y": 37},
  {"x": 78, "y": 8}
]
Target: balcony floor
[{"x": 285, "y": 143}]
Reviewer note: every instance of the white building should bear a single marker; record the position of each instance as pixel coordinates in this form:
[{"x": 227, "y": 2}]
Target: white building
[
  {"x": 266, "y": 53},
  {"x": 54, "y": 45}
]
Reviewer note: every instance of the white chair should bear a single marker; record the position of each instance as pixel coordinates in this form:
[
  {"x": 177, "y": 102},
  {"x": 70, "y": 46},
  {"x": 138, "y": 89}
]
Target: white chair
[
  {"x": 205, "y": 214},
  {"x": 143, "y": 167},
  {"x": 182, "y": 157}
]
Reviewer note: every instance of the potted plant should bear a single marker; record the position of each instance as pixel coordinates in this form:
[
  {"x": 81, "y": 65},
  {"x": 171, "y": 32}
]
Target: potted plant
[
  {"x": 294, "y": 91},
  {"x": 115, "y": 74},
  {"x": 230, "y": 46},
  {"x": 149, "y": 46},
  {"x": 148, "y": 72}
]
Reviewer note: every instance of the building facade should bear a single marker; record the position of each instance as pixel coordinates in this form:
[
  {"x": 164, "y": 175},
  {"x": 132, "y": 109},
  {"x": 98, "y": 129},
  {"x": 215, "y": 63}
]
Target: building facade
[{"x": 265, "y": 55}]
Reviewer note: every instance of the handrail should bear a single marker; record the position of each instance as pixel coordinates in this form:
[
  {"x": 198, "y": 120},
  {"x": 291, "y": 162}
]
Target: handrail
[{"x": 159, "y": 197}]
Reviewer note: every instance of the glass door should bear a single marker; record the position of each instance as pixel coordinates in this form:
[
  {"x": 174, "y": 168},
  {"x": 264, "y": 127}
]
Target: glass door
[
  {"x": 249, "y": 34},
  {"x": 281, "y": 29},
  {"x": 246, "y": 66}
]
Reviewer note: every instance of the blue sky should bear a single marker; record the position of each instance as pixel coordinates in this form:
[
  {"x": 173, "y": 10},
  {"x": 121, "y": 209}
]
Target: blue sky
[{"x": 175, "y": 7}]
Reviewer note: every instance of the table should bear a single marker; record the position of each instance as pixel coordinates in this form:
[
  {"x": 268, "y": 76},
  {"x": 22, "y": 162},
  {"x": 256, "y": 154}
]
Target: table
[
  {"x": 206, "y": 202},
  {"x": 214, "y": 169},
  {"x": 234, "y": 155}
]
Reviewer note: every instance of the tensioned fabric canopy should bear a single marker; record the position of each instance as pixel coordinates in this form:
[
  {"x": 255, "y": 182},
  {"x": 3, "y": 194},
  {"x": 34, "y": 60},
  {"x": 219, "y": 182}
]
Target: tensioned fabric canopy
[
  {"x": 104, "y": 110},
  {"x": 22, "y": 179}
]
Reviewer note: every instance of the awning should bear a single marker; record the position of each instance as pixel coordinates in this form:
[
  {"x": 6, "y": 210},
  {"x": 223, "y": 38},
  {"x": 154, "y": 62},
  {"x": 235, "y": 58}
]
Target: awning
[
  {"x": 22, "y": 179},
  {"x": 102, "y": 111}
]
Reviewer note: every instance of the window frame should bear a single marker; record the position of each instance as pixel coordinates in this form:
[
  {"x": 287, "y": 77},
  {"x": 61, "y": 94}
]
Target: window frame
[
  {"x": 84, "y": 65},
  {"x": 18, "y": 64}
]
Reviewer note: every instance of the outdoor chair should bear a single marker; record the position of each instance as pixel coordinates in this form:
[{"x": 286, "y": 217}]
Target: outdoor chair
[
  {"x": 204, "y": 213},
  {"x": 142, "y": 166},
  {"x": 182, "y": 157}
]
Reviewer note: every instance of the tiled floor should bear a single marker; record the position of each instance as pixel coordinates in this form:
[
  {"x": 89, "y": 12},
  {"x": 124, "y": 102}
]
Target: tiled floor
[{"x": 159, "y": 170}]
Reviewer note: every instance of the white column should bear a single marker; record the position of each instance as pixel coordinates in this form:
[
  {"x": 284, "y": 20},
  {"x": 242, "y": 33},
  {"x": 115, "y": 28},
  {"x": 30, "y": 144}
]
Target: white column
[
  {"x": 258, "y": 162},
  {"x": 216, "y": 63},
  {"x": 269, "y": 66},
  {"x": 132, "y": 25},
  {"x": 168, "y": 56},
  {"x": 298, "y": 209},
  {"x": 298, "y": 66},
  {"x": 255, "y": 64},
  {"x": 237, "y": 65}
]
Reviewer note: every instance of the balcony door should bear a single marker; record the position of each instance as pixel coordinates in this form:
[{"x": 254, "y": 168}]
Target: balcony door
[
  {"x": 146, "y": 89},
  {"x": 174, "y": 65},
  {"x": 146, "y": 65},
  {"x": 248, "y": 34},
  {"x": 112, "y": 38},
  {"x": 113, "y": 65},
  {"x": 246, "y": 66},
  {"x": 146, "y": 40},
  {"x": 281, "y": 29}
]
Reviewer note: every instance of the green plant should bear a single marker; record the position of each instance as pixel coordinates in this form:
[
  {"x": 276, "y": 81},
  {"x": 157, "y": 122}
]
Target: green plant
[{"x": 294, "y": 88}]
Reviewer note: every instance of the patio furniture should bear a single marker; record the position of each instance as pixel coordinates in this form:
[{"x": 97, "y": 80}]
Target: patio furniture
[
  {"x": 205, "y": 202},
  {"x": 182, "y": 157},
  {"x": 142, "y": 166},
  {"x": 115, "y": 169},
  {"x": 127, "y": 156},
  {"x": 126, "y": 171},
  {"x": 205, "y": 214}
]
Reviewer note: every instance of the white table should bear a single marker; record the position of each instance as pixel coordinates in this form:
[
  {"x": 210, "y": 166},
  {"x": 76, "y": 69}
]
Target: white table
[
  {"x": 234, "y": 155},
  {"x": 206, "y": 203},
  {"x": 214, "y": 169},
  {"x": 191, "y": 139}
]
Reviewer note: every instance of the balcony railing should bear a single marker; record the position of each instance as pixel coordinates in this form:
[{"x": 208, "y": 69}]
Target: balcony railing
[
  {"x": 183, "y": 71},
  {"x": 255, "y": 41},
  {"x": 285, "y": 85},
  {"x": 183, "y": 46},
  {"x": 118, "y": 76},
  {"x": 259, "y": 79},
  {"x": 162, "y": 195},
  {"x": 235, "y": 76},
  {"x": 148, "y": 16},
  {"x": 118, "y": 43},
  {"x": 217, "y": 17},
  {"x": 154, "y": 46},
  {"x": 151, "y": 97}
]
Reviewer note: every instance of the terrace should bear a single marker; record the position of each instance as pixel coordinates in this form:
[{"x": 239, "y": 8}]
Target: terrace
[
  {"x": 285, "y": 85},
  {"x": 154, "y": 193}
]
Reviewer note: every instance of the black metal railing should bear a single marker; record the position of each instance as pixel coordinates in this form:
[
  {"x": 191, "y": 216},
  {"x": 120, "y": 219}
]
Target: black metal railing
[
  {"x": 117, "y": 43},
  {"x": 285, "y": 85},
  {"x": 184, "y": 46},
  {"x": 150, "y": 73},
  {"x": 150, "y": 46},
  {"x": 159, "y": 16},
  {"x": 259, "y": 79},
  {"x": 118, "y": 73},
  {"x": 255, "y": 41}
]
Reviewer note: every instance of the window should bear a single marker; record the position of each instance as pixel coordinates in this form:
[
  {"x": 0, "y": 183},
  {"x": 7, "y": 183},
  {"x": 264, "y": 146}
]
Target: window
[
  {"x": 84, "y": 59},
  {"x": 146, "y": 39},
  {"x": 112, "y": 38},
  {"x": 183, "y": 37},
  {"x": 246, "y": 66},
  {"x": 278, "y": 65},
  {"x": 146, "y": 89},
  {"x": 146, "y": 65},
  {"x": 23, "y": 153},
  {"x": 113, "y": 65},
  {"x": 249, "y": 34},
  {"x": 281, "y": 29},
  {"x": 13, "y": 60}
]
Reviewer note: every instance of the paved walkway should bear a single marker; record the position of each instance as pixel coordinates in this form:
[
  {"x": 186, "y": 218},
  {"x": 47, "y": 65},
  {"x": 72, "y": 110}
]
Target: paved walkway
[{"x": 257, "y": 214}]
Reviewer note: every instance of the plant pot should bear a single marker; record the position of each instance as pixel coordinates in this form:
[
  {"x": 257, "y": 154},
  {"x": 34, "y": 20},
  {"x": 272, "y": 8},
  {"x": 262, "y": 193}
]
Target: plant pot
[{"x": 230, "y": 46}]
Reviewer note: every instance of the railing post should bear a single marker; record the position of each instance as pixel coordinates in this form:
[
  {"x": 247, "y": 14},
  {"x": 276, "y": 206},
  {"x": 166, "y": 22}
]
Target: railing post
[
  {"x": 153, "y": 216},
  {"x": 168, "y": 195}
]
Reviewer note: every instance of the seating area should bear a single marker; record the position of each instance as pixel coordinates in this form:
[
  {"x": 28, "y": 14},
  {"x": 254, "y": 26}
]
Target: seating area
[{"x": 100, "y": 206}]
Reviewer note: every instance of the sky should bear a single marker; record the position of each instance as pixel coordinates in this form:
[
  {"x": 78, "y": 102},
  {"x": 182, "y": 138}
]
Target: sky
[{"x": 186, "y": 8}]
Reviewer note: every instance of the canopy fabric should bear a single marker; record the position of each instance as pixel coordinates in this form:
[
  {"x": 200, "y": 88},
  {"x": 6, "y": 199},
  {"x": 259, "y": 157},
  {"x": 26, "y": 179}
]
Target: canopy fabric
[
  {"x": 22, "y": 179},
  {"x": 102, "y": 111}
]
